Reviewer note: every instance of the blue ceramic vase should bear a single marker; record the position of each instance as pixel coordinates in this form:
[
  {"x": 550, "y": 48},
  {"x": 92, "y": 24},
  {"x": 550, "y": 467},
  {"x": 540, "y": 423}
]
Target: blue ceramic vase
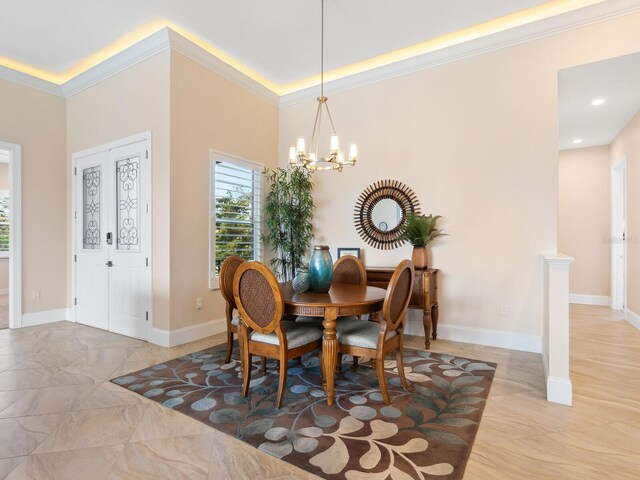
[{"x": 320, "y": 269}]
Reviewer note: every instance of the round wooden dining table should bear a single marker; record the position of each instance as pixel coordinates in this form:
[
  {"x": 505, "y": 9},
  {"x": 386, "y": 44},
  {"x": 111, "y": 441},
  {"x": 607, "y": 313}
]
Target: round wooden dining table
[{"x": 342, "y": 300}]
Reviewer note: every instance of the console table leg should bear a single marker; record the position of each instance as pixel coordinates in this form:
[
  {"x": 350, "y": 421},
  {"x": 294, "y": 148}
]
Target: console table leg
[
  {"x": 426, "y": 321},
  {"x": 330, "y": 351},
  {"x": 435, "y": 313}
]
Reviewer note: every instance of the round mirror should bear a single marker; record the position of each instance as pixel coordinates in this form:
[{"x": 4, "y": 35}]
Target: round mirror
[
  {"x": 386, "y": 214},
  {"x": 381, "y": 212}
]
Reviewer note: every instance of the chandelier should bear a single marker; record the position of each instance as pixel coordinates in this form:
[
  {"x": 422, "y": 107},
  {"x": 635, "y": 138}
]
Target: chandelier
[{"x": 311, "y": 160}]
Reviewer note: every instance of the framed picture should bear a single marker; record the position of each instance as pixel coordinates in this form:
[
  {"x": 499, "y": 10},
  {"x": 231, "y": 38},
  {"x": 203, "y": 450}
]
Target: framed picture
[{"x": 355, "y": 252}]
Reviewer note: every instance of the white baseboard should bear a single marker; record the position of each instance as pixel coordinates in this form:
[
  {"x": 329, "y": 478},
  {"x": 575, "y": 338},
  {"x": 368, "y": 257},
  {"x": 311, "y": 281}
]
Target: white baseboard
[
  {"x": 173, "y": 338},
  {"x": 559, "y": 390},
  {"x": 46, "y": 316},
  {"x": 633, "y": 318},
  {"x": 600, "y": 300},
  {"x": 4, "y": 291},
  {"x": 480, "y": 336}
]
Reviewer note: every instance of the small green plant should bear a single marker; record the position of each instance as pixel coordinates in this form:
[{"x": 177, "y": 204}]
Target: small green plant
[{"x": 420, "y": 230}]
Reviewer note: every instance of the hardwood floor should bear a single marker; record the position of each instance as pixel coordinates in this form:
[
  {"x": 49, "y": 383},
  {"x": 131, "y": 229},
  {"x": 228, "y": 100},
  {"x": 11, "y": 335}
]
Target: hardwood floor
[{"x": 60, "y": 418}]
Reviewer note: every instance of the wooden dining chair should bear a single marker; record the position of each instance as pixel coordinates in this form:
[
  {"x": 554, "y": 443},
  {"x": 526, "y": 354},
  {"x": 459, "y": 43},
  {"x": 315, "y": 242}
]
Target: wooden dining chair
[
  {"x": 262, "y": 331},
  {"x": 369, "y": 339},
  {"x": 349, "y": 269},
  {"x": 227, "y": 272}
]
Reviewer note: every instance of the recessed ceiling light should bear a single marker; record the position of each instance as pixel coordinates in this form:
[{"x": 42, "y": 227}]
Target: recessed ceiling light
[
  {"x": 598, "y": 101},
  {"x": 577, "y": 141}
]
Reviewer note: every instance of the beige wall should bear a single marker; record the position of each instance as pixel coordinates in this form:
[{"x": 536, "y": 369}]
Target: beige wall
[
  {"x": 207, "y": 111},
  {"x": 584, "y": 219},
  {"x": 36, "y": 120},
  {"x": 477, "y": 140},
  {"x": 4, "y": 274},
  {"x": 130, "y": 102},
  {"x": 188, "y": 109},
  {"x": 627, "y": 144}
]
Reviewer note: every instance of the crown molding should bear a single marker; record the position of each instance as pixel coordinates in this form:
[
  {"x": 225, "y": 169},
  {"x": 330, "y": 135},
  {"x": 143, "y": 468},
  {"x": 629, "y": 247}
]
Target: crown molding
[
  {"x": 137, "y": 53},
  {"x": 158, "y": 42},
  {"x": 533, "y": 31},
  {"x": 167, "y": 38},
  {"x": 199, "y": 55},
  {"x": 27, "y": 80}
]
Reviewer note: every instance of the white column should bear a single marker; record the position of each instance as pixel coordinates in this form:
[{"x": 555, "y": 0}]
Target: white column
[{"x": 555, "y": 340}]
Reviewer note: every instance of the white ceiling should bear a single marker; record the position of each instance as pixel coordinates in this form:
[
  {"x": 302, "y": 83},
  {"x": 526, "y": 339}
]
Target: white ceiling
[
  {"x": 278, "y": 39},
  {"x": 616, "y": 80}
]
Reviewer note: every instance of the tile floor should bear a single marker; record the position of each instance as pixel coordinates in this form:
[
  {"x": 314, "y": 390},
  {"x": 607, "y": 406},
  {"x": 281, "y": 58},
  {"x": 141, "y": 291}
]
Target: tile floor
[
  {"x": 60, "y": 418},
  {"x": 4, "y": 311}
]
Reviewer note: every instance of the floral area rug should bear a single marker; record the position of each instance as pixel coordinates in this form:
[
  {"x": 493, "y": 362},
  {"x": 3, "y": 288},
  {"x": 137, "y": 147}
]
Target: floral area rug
[{"x": 425, "y": 433}]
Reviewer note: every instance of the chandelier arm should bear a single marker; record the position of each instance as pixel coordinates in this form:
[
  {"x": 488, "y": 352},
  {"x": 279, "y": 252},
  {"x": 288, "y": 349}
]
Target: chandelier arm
[
  {"x": 319, "y": 130},
  {"x": 330, "y": 118},
  {"x": 316, "y": 129}
]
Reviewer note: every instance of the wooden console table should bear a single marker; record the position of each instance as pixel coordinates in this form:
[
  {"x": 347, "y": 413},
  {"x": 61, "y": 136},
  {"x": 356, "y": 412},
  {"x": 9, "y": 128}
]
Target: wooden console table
[{"x": 424, "y": 296}]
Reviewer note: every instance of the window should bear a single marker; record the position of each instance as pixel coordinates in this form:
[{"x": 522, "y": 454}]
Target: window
[
  {"x": 235, "y": 212},
  {"x": 4, "y": 223}
]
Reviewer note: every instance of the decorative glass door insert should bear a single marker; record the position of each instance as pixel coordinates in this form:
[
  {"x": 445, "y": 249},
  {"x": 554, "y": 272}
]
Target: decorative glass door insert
[
  {"x": 91, "y": 178},
  {"x": 127, "y": 191}
]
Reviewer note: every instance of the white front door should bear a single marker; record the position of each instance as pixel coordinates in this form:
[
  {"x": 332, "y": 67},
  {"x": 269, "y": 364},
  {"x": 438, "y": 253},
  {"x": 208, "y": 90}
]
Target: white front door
[
  {"x": 90, "y": 216},
  {"x": 112, "y": 215}
]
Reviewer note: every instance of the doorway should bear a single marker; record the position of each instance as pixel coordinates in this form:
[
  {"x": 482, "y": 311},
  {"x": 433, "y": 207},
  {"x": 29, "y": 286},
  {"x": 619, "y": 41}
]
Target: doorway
[
  {"x": 112, "y": 237},
  {"x": 619, "y": 236},
  {"x": 10, "y": 236},
  {"x": 4, "y": 238}
]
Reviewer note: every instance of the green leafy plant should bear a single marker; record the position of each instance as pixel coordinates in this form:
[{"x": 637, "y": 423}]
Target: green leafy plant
[
  {"x": 420, "y": 230},
  {"x": 288, "y": 210},
  {"x": 237, "y": 237}
]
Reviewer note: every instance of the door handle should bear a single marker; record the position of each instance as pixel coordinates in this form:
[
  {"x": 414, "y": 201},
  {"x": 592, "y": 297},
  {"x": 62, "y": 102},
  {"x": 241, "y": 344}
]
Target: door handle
[
  {"x": 109, "y": 263},
  {"x": 109, "y": 239}
]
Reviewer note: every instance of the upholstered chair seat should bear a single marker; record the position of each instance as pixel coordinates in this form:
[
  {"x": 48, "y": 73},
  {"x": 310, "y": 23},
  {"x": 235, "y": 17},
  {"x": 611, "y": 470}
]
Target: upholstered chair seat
[
  {"x": 297, "y": 335},
  {"x": 235, "y": 321},
  {"x": 358, "y": 333}
]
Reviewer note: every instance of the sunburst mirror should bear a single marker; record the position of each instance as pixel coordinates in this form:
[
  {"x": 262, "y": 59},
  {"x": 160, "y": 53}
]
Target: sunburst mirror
[{"x": 381, "y": 213}]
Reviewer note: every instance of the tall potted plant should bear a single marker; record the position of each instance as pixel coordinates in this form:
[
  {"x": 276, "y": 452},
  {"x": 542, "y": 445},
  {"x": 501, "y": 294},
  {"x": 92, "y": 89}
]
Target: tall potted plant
[
  {"x": 288, "y": 210},
  {"x": 419, "y": 231}
]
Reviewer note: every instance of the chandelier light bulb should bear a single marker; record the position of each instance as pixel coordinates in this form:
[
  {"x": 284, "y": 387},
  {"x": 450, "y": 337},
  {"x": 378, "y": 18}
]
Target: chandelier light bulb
[
  {"x": 353, "y": 152},
  {"x": 335, "y": 144},
  {"x": 301, "y": 146}
]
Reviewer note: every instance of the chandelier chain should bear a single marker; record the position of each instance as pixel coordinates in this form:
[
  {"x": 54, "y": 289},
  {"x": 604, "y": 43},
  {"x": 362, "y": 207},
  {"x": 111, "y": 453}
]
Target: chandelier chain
[{"x": 322, "y": 48}]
